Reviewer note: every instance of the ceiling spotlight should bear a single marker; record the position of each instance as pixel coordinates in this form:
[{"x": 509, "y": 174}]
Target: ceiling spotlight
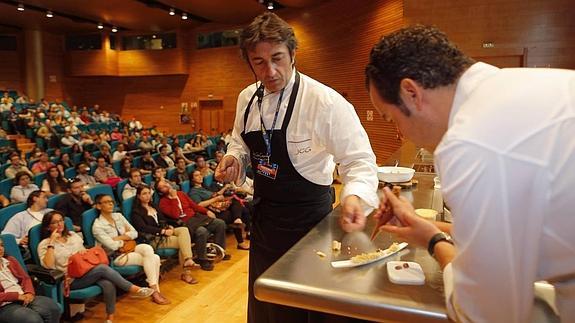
[
  {"x": 100, "y": 26},
  {"x": 184, "y": 16},
  {"x": 21, "y": 7},
  {"x": 270, "y": 5},
  {"x": 49, "y": 14},
  {"x": 172, "y": 11},
  {"x": 114, "y": 29}
]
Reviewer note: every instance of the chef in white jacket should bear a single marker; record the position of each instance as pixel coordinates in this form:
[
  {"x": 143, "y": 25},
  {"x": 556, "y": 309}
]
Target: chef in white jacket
[
  {"x": 504, "y": 150},
  {"x": 293, "y": 130}
]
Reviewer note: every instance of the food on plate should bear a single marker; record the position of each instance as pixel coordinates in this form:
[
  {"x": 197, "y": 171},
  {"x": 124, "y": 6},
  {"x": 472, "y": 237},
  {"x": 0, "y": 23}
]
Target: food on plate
[
  {"x": 320, "y": 254},
  {"x": 367, "y": 256}
]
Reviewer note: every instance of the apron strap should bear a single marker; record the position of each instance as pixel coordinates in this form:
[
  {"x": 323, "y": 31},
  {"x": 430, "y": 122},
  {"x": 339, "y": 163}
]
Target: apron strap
[{"x": 291, "y": 103}]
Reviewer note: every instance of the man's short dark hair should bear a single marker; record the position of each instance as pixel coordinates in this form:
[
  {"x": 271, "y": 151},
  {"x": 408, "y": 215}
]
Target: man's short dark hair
[
  {"x": 30, "y": 201},
  {"x": 198, "y": 158},
  {"x": 267, "y": 27},
  {"x": 71, "y": 181},
  {"x": 421, "y": 53}
]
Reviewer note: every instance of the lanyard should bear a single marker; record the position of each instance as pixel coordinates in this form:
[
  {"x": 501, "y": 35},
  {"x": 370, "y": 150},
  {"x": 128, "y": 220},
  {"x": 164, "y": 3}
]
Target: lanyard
[{"x": 268, "y": 137}]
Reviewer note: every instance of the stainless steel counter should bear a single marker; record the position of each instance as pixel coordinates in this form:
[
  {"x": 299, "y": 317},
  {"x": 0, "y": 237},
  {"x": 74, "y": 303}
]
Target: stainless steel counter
[{"x": 303, "y": 279}]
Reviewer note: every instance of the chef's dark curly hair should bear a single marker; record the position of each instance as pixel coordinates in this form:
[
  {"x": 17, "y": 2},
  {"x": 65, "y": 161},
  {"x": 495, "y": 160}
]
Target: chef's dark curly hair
[{"x": 421, "y": 53}]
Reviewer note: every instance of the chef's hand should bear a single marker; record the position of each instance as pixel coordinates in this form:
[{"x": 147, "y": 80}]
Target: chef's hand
[
  {"x": 411, "y": 228},
  {"x": 228, "y": 170},
  {"x": 352, "y": 217}
]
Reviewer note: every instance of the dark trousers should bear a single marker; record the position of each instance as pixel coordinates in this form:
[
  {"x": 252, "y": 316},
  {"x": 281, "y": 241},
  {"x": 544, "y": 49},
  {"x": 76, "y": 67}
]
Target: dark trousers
[
  {"x": 41, "y": 310},
  {"x": 217, "y": 227}
]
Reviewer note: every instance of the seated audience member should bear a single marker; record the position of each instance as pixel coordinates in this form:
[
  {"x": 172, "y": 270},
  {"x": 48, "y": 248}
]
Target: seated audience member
[
  {"x": 20, "y": 192},
  {"x": 88, "y": 158},
  {"x": 75, "y": 202},
  {"x": 179, "y": 153},
  {"x": 21, "y": 222},
  {"x": 135, "y": 124},
  {"x": 148, "y": 163},
  {"x": 18, "y": 301},
  {"x": 120, "y": 153},
  {"x": 164, "y": 160},
  {"x": 65, "y": 163},
  {"x": 202, "y": 166},
  {"x": 16, "y": 166},
  {"x": 125, "y": 167},
  {"x": 131, "y": 145},
  {"x": 72, "y": 129},
  {"x": 223, "y": 204},
  {"x": 189, "y": 146},
  {"x": 113, "y": 231},
  {"x": 105, "y": 174},
  {"x": 201, "y": 222},
  {"x": 69, "y": 140},
  {"x": 42, "y": 165},
  {"x": 105, "y": 152},
  {"x": 149, "y": 222},
  {"x": 164, "y": 142},
  {"x": 180, "y": 175},
  {"x": 159, "y": 174},
  {"x": 134, "y": 180},
  {"x": 116, "y": 135},
  {"x": 85, "y": 141},
  {"x": 54, "y": 183},
  {"x": 145, "y": 144},
  {"x": 55, "y": 249},
  {"x": 83, "y": 174},
  {"x": 219, "y": 155}
]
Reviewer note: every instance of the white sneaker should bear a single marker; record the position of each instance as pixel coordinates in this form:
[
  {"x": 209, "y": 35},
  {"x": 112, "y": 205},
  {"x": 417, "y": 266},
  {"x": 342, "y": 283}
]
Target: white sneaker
[{"x": 144, "y": 292}]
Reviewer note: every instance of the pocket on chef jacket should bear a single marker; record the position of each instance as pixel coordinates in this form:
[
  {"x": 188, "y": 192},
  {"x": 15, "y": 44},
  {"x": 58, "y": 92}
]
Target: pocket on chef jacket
[{"x": 299, "y": 146}]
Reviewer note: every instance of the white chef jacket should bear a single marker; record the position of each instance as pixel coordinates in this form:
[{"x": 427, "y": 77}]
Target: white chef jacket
[
  {"x": 506, "y": 167},
  {"x": 324, "y": 130}
]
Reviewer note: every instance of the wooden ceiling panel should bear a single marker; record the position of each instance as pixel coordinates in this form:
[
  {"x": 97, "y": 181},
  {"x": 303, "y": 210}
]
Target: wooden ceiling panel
[
  {"x": 299, "y": 3},
  {"x": 222, "y": 11}
]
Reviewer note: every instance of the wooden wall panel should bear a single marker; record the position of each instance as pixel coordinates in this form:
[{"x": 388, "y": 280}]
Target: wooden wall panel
[
  {"x": 545, "y": 27},
  {"x": 53, "y": 52},
  {"x": 151, "y": 62},
  {"x": 11, "y": 76}
]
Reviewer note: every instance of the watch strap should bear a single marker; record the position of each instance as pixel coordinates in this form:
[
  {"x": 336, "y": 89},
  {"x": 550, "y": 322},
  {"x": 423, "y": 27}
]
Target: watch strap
[{"x": 441, "y": 236}]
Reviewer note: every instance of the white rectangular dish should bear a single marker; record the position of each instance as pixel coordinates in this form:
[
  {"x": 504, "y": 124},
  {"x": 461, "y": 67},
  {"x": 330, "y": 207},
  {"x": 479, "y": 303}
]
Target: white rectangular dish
[{"x": 386, "y": 253}]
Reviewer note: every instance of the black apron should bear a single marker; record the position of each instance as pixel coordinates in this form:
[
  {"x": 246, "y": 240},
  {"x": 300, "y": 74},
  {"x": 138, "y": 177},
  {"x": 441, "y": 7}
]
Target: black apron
[{"x": 285, "y": 209}]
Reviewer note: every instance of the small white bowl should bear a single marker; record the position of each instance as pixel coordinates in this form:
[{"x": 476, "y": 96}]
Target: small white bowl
[
  {"x": 428, "y": 214},
  {"x": 392, "y": 174}
]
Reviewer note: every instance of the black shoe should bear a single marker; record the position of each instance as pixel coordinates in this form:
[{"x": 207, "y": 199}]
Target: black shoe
[
  {"x": 227, "y": 257},
  {"x": 206, "y": 265}
]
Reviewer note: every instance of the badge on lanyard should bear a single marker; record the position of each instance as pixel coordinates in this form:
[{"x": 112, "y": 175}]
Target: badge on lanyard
[{"x": 265, "y": 167}]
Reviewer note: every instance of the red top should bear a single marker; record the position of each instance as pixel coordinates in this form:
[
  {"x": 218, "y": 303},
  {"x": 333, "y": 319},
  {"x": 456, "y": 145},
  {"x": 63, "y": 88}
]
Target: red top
[
  {"x": 171, "y": 207},
  {"x": 23, "y": 280}
]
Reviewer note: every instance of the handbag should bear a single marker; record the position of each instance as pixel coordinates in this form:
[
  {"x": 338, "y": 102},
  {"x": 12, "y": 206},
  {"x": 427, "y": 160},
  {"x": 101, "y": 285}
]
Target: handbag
[
  {"x": 82, "y": 262},
  {"x": 129, "y": 246}
]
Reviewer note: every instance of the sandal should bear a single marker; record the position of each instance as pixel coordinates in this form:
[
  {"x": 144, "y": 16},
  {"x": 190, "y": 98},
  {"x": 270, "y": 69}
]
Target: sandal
[
  {"x": 188, "y": 278},
  {"x": 160, "y": 299}
]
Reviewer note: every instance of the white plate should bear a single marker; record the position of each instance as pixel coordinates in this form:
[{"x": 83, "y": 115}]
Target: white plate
[
  {"x": 392, "y": 174},
  {"x": 349, "y": 263}
]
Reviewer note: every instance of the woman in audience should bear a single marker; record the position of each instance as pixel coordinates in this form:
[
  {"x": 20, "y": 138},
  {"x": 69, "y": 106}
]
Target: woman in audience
[
  {"x": 54, "y": 183},
  {"x": 18, "y": 301},
  {"x": 88, "y": 158},
  {"x": 20, "y": 192},
  {"x": 56, "y": 247},
  {"x": 105, "y": 152},
  {"x": 65, "y": 163},
  {"x": 189, "y": 146},
  {"x": 42, "y": 165},
  {"x": 149, "y": 222},
  {"x": 125, "y": 167},
  {"x": 113, "y": 231}
]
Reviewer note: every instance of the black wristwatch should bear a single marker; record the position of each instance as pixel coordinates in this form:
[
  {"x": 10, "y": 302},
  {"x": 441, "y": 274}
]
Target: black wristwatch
[{"x": 441, "y": 236}]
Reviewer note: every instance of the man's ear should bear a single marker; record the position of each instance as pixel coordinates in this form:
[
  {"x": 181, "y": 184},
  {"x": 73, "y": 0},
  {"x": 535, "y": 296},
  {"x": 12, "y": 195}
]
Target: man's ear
[{"x": 411, "y": 93}]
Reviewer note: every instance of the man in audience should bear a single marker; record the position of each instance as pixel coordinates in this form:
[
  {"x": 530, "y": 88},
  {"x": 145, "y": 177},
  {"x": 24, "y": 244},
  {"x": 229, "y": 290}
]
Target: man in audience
[
  {"x": 164, "y": 159},
  {"x": 134, "y": 181},
  {"x": 202, "y": 166},
  {"x": 145, "y": 144},
  {"x": 16, "y": 165},
  {"x": 82, "y": 173},
  {"x": 20, "y": 192},
  {"x": 75, "y": 119},
  {"x": 164, "y": 142},
  {"x": 200, "y": 221},
  {"x": 69, "y": 140},
  {"x": 504, "y": 150},
  {"x": 42, "y": 165},
  {"x": 105, "y": 174},
  {"x": 75, "y": 202},
  {"x": 21, "y": 222},
  {"x": 135, "y": 124},
  {"x": 180, "y": 175}
]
